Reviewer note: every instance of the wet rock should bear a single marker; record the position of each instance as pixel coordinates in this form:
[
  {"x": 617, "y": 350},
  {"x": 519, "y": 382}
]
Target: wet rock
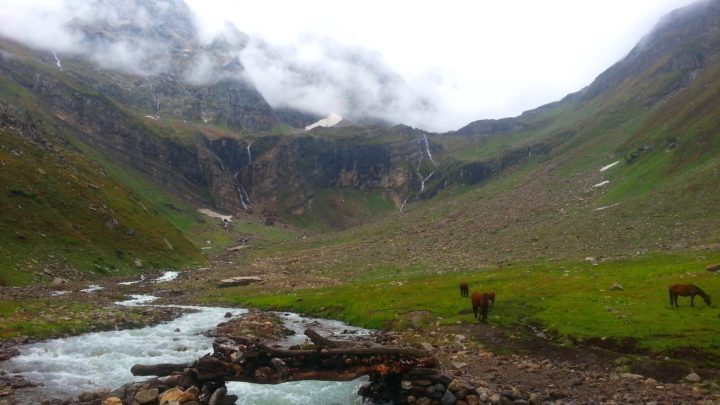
[
  {"x": 87, "y": 396},
  {"x": 147, "y": 397},
  {"x": 178, "y": 395},
  {"x": 228, "y": 315}
]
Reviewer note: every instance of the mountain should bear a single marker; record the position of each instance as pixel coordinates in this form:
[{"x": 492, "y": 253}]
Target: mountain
[{"x": 183, "y": 126}]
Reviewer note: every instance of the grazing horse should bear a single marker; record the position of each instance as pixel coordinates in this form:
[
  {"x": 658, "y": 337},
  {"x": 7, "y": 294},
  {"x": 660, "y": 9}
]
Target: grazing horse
[
  {"x": 480, "y": 304},
  {"x": 686, "y": 290},
  {"x": 491, "y": 299},
  {"x": 464, "y": 289}
]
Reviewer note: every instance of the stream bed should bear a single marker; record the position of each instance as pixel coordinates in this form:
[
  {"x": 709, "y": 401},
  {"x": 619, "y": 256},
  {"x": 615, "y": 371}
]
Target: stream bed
[{"x": 66, "y": 367}]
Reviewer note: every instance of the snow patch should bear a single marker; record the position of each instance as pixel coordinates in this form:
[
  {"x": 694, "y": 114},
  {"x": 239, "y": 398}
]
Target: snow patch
[
  {"x": 602, "y": 169},
  {"x": 602, "y": 183},
  {"x": 167, "y": 276},
  {"x": 92, "y": 288},
  {"x": 329, "y": 121},
  {"x": 213, "y": 214},
  {"x": 606, "y": 207}
]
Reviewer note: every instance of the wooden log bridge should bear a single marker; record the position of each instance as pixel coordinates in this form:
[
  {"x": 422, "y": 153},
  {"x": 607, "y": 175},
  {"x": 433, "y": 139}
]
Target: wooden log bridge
[
  {"x": 238, "y": 359},
  {"x": 398, "y": 375}
]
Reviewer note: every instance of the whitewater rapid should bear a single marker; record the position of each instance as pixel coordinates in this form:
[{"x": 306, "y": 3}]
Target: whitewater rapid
[{"x": 70, "y": 366}]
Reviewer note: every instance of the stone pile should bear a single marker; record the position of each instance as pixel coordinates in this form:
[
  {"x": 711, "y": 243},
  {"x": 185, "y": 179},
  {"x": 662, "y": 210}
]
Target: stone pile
[{"x": 420, "y": 386}]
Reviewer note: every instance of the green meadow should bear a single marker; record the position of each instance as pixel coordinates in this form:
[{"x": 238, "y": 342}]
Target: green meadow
[{"x": 570, "y": 301}]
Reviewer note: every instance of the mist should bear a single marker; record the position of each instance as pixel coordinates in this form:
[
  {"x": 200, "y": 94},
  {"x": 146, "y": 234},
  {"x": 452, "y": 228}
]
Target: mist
[{"x": 436, "y": 68}]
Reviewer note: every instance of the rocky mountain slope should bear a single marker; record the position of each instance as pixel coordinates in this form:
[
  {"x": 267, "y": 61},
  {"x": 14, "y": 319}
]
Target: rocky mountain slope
[{"x": 184, "y": 117}]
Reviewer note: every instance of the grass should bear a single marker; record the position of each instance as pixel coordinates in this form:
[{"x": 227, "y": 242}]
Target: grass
[{"x": 571, "y": 300}]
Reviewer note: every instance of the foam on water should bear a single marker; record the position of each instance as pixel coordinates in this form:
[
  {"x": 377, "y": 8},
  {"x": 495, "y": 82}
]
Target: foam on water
[{"x": 67, "y": 367}]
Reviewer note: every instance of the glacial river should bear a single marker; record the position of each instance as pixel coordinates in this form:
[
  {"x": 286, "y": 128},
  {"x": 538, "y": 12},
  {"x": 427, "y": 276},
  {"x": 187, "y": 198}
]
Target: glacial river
[{"x": 67, "y": 367}]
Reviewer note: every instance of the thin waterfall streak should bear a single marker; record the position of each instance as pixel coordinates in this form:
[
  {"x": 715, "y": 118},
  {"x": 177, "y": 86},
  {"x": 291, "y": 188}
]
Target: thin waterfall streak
[
  {"x": 427, "y": 149},
  {"x": 57, "y": 61}
]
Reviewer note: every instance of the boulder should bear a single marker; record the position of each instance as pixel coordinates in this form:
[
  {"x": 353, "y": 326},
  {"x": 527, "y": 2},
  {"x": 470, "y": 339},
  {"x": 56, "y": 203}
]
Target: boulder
[
  {"x": 713, "y": 267},
  {"x": 693, "y": 378},
  {"x": 112, "y": 401},
  {"x": 59, "y": 281},
  {"x": 146, "y": 397},
  {"x": 240, "y": 280},
  {"x": 178, "y": 395}
]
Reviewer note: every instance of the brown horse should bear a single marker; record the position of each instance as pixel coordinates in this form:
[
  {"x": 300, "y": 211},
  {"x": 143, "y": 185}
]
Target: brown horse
[
  {"x": 464, "y": 290},
  {"x": 480, "y": 304},
  {"x": 686, "y": 290},
  {"x": 491, "y": 299}
]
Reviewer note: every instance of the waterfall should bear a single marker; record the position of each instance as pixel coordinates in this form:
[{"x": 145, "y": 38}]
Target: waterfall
[
  {"x": 245, "y": 200},
  {"x": 57, "y": 61},
  {"x": 423, "y": 179},
  {"x": 403, "y": 205},
  {"x": 249, "y": 154},
  {"x": 427, "y": 149}
]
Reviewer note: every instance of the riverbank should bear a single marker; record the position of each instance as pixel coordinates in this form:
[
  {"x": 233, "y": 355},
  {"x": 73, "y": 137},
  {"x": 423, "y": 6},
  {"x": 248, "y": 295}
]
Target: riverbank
[{"x": 504, "y": 363}]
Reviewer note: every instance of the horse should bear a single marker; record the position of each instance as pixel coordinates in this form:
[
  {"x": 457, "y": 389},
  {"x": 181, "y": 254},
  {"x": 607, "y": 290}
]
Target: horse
[
  {"x": 685, "y": 290},
  {"x": 480, "y": 304},
  {"x": 491, "y": 299},
  {"x": 464, "y": 289}
]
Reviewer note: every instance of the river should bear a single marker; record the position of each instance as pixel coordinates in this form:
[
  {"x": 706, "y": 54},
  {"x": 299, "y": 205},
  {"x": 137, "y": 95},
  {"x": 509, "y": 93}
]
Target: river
[{"x": 66, "y": 367}]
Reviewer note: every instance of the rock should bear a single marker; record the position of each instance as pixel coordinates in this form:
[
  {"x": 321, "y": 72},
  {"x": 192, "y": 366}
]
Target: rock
[
  {"x": 240, "y": 280},
  {"x": 693, "y": 378},
  {"x": 458, "y": 364},
  {"x": 146, "y": 397},
  {"x": 535, "y": 399},
  {"x": 448, "y": 398},
  {"x": 557, "y": 395},
  {"x": 423, "y": 401},
  {"x": 713, "y": 267},
  {"x": 228, "y": 315},
  {"x": 87, "y": 396},
  {"x": 427, "y": 347},
  {"x": 236, "y": 248},
  {"x": 59, "y": 281},
  {"x": 217, "y": 397},
  {"x": 616, "y": 287},
  {"x": 178, "y": 395},
  {"x": 455, "y": 385},
  {"x": 405, "y": 384},
  {"x": 472, "y": 400},
  {"x": 112, "y": 401},
  {"x": 138, "y": 263}
]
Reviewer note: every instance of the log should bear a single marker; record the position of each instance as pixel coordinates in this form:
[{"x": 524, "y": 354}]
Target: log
[
  {"x": 319, "y": 340},
  {"x": 158, "y": 369},
  {"x": 262, "y": 364}
]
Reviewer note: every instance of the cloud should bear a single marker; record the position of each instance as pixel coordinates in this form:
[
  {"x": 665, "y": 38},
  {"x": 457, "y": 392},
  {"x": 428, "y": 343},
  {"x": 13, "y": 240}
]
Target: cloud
[{"x": 319, "y": 75}]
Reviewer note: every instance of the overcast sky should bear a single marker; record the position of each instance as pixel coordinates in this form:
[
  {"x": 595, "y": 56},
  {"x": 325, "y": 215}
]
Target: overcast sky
[
  {"x": 476, "y": 58},
  {"x": 471, "y": 59}
]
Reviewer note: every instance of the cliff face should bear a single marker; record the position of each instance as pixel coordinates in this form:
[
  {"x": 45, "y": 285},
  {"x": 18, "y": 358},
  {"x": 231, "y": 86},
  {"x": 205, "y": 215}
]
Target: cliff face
[{"x": 230, "y": 171}]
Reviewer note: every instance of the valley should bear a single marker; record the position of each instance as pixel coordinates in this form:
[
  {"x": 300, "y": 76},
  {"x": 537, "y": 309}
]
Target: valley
[{"x": 578, "y": 214}]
